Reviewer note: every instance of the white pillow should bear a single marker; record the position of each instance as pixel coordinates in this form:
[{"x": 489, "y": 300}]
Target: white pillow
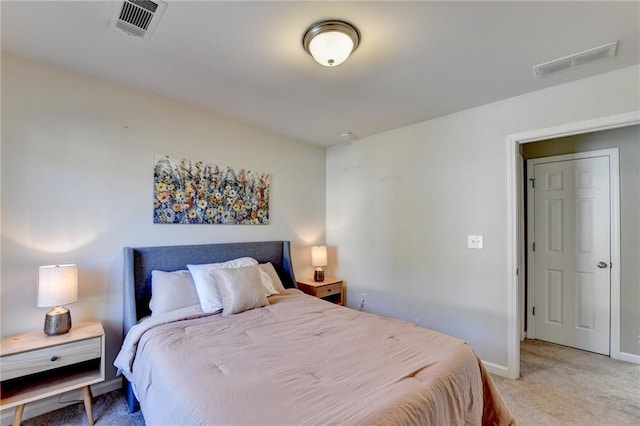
[
  {"x": 241, "y": 289},
  {"x": 171, "y": 291},
  {"x": 206, "y": 286},
  {"x": 270, "y": 279}
]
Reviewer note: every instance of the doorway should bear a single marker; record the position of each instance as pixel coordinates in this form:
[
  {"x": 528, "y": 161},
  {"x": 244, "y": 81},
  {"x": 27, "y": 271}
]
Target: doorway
[
  {"x": 569, "y": 235},
  {"x": 516, "y": 241}
]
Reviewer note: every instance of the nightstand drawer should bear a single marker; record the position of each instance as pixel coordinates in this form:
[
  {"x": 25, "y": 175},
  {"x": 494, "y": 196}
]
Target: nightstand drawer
[
  {"x": 328, "y": 290},
  {"x": 36, "y": 361}
]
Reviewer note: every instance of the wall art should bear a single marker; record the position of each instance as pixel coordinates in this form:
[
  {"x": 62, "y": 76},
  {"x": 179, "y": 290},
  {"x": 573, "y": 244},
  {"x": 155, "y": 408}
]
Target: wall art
[{"x": 195, "y": 192}]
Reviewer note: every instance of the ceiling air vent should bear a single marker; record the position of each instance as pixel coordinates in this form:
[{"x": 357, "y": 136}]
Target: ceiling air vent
[
  {"x": 138, "y": 17},
  {"x": 575, "y": 60}
]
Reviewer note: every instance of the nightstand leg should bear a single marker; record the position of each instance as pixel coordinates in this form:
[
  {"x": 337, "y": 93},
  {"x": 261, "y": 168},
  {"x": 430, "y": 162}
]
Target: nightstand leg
[
  {"x": 17, "y": 417},
  {"x": 87, "y": 397}
]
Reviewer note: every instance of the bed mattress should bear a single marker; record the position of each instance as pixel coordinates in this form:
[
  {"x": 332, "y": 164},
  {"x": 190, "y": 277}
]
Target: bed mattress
[{"x": 304, "y": 361}]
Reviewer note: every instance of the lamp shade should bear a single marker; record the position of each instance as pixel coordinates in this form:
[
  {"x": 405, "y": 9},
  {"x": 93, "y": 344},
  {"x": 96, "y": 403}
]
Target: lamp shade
[
  {"x": 57, "y": 285},
  {"x": 319, "y": 256}
]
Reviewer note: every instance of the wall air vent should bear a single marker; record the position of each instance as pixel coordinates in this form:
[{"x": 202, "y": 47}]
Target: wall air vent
[
  {"x": 138, "y": 17},
  {"x": 575, "y": 60}
]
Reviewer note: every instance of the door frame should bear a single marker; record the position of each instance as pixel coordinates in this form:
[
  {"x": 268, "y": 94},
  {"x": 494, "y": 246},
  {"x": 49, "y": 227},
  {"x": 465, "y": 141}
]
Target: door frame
[
  {"x": 515, "y": 224},
  {"x": 614, "y": 208}
]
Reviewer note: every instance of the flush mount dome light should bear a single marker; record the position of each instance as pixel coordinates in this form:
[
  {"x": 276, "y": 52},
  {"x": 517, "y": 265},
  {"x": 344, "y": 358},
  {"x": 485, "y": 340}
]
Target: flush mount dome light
[{"x": 331, "y": 42}]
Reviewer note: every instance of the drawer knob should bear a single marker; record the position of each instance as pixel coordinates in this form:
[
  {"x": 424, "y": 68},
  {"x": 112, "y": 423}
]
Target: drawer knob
[
  {"x": 329, "y": 291},
  {"x": 54, "y": 358}
]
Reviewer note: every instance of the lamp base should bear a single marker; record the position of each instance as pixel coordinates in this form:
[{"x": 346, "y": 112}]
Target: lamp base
[
  {"x": 318, "y": 275},
  {"x": 57, "y": 321}
]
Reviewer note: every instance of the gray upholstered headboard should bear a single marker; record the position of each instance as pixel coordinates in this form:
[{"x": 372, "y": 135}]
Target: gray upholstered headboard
[{"x": 139, "y": 262}]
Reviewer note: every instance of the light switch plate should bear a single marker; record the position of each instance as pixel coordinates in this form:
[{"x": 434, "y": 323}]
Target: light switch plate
[{"x": 475, "y": 241}]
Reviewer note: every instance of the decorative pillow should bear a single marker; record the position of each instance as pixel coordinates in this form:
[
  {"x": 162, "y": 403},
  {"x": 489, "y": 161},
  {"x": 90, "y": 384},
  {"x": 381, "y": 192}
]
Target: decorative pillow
[
  {"x": 241, "y": 289},
  {"x": 171, "y": 291},
  {"x": 270, "y": 279},
  {"x": 206, "y": 286}
]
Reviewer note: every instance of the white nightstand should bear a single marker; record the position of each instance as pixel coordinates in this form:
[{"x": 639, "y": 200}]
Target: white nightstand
[{"x": 34, "y": 366}]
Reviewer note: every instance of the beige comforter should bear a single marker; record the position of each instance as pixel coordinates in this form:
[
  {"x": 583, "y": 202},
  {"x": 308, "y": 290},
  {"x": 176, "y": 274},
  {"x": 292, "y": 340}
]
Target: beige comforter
[{"x": 304, "y": 361}]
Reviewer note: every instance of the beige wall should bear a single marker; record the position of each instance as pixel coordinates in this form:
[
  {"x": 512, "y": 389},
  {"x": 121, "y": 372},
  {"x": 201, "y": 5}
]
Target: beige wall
[
  {"x": 77, "y": 182},
  {"x": 627, "y": 140},
  {"x": 401, "y": 204}
]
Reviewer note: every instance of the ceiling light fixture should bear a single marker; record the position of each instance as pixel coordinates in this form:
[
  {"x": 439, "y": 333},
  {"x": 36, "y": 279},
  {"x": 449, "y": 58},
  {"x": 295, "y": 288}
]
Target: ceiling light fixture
[{"x": 331, "y": 42}]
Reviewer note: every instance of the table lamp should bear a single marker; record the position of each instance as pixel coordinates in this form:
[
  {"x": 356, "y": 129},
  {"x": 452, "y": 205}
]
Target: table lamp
[
  {"x": 318, "y": 259},
  {"x": 57, "y": 286}
]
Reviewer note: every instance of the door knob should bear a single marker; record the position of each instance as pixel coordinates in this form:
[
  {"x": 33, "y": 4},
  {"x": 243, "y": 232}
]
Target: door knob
[{"x": 602, "y": 265}]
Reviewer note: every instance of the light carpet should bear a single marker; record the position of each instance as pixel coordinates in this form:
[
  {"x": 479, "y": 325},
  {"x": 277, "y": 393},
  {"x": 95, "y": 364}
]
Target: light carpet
[
  {"x": 108, "y": 409},
  {"x": 558, "y": 386},
  {"x": 565, "y": 386}
]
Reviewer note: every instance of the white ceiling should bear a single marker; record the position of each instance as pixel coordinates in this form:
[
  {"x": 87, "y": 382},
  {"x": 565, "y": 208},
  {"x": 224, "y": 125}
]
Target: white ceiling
[{"x": 244, "y": 60}]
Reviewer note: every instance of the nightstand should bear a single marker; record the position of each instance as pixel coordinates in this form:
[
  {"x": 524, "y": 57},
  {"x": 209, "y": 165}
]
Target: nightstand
[
  {"x": 331, "y": 289},
  {"x": 34, "y": 366}
]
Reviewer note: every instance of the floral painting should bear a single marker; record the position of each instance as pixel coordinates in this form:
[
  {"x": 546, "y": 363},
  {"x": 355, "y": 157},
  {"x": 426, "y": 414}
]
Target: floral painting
[{"x": 195, "y": 192}]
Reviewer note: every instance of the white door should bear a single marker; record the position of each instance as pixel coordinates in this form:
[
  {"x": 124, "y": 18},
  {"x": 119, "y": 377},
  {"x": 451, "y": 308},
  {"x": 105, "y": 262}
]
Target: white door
[{"x": 571, "y": 257}]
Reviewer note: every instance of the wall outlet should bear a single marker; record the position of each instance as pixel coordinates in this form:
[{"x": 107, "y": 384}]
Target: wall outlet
[
  {"x": 475, "y": 241},
  {"x": 363, "y": 300}
]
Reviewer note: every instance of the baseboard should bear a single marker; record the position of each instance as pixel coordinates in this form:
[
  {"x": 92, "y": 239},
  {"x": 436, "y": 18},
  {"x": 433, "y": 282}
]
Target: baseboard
[
  {"x": 629, "y": 357},
  {"x": 497, "y": 369},
  {"x": 37, "y": 408}
]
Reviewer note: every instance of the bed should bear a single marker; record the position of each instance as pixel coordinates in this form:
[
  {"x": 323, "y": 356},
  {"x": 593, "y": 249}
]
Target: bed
[{"x": 297, "y": 360}]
